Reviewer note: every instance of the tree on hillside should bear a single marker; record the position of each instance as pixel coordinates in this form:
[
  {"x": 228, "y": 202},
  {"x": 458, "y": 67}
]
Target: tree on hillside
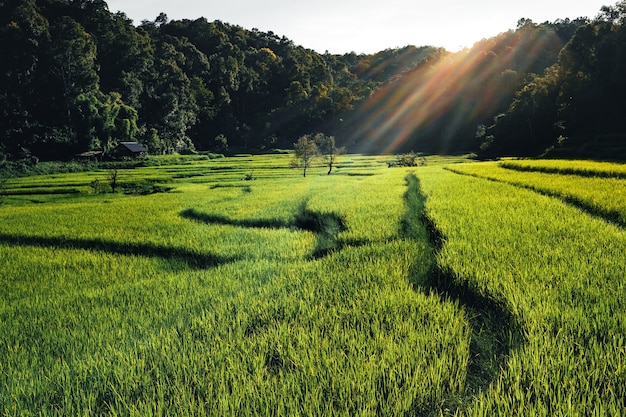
[
  {"x": 328, "y": 149},
  {"x": 581, "y": 97},
  {"x": 306, "y": 152},
  {"x": 74, "y": 76},
  {"x": 72, "y": 62}
]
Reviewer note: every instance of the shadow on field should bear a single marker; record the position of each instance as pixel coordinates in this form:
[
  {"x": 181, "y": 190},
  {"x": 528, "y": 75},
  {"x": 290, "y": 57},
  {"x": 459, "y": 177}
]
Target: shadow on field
[
  {"x": 189, "y": 258},
  {"x": 325, "y": 225},
  {"x": 193, "y": 214},
  {"x": 495, "y": 332}
]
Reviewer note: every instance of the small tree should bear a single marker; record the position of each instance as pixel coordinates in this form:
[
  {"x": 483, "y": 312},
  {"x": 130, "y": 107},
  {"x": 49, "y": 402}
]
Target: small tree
[
  {"x": 99, "y": 186},
  {"x": 306, "y": 152},
  {"x": 3, "y": 182},
  {"x": 329, "y": 150},
  {"x": 112, "y": 177},
  {"x": 220, "y": 143}
]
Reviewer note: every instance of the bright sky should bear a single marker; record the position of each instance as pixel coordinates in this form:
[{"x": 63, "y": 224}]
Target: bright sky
[{"x": 367, "y": 26}]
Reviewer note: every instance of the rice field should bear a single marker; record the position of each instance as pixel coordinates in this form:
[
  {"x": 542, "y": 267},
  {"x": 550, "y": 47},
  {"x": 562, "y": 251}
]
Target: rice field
[
  {"x": 599, "y": 189},
  {"x": 576, "y": 167},
  {"x": 559, "y": 270},
  {"x": 234, "y": 286}
]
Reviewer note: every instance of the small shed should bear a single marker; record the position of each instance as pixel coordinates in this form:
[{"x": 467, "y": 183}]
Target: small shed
[
  {"x": 90, "y": 155},
  {"x": 130, "y": 150}
]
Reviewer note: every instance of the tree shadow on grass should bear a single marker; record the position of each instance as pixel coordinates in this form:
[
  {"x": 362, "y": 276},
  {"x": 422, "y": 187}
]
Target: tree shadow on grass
[
  {"x": 208, "y": 218},
  {"x": 326, "y": 226},
  {"x": 191, "y": 259},
  {"x": 495, "y": 332}
]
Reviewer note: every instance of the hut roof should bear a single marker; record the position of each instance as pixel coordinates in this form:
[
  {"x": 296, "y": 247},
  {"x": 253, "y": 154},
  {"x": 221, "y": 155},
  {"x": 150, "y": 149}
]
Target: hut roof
[{"x": 133, "y": 147}]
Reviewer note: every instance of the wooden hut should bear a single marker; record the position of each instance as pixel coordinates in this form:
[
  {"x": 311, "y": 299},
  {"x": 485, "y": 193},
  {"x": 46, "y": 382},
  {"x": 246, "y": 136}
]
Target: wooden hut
[{"x": 130, "y": 150}]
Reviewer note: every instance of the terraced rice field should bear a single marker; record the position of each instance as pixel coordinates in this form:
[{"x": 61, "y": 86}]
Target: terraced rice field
[{"x": 235, "y": 286}]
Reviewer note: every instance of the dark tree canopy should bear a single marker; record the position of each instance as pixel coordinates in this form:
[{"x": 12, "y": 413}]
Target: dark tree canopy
[
  {"x": 75, "y": 77},
  {"x": 576, "y": 107}
]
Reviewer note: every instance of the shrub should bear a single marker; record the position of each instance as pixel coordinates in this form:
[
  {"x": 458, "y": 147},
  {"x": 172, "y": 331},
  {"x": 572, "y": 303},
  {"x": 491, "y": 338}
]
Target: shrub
[
  {"x": 410, "y": 159},
  {"x": 143, "y": 187},
  {"x": 3, "y": 188},
  {"x": 99, "y": 186}
]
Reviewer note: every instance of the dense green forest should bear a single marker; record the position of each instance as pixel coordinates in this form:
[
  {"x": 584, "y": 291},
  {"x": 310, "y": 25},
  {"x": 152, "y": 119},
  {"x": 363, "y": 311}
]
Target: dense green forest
[{"x": 76, "y": 77}]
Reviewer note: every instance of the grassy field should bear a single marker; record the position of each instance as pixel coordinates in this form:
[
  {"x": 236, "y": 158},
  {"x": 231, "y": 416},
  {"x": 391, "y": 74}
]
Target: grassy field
[
  {"x": 598, "y": 188},
  {"x": 576, "y": 167},
  {"x": 559, "y": 270},
  {"x": 234, "y": 286}
]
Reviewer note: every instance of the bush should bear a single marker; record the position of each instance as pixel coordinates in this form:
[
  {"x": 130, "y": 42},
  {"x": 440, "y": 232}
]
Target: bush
[
  {"x": 144, "y": 187},
  {"x": 408, "y": 160},
  {"x": 100, "y": 187},
  {"x": 3, "y": 188}
]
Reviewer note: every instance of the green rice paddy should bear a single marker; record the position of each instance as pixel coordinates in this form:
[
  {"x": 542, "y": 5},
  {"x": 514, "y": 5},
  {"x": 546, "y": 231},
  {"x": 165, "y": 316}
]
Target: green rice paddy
[{"x": 234, "y": 286}]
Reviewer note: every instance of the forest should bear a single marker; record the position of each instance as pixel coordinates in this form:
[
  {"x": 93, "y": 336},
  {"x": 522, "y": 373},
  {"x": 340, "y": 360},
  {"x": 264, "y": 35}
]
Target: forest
[
  {"x": 76, "y": 77},
  {"x": 228, "y": 274}
]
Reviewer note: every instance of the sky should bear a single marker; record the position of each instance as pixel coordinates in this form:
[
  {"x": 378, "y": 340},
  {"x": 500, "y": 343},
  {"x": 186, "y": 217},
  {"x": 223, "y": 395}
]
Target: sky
[{"x": 367, "y": 26}]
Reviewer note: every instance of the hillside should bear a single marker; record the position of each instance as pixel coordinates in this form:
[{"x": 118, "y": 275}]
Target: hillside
[{"x": 77, "y": 77}]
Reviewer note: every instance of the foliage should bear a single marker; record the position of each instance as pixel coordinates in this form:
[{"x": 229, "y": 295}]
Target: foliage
[
  {"x": 435, "y": 106},
  {"x": 112, "y": 177},
  {"x": 329, "y": 150},
  {"x": 174, "y": 85},
  {"x": 143, "y": 187},
  {"x": 3, "y": 182},
  {"x": 99, "y": 186},
  {"x": 76, "y": 77},
  {"x": 581, "y": 97},
  {"x": 306, "y": 151},
  {"x": 410, "y": 159}
]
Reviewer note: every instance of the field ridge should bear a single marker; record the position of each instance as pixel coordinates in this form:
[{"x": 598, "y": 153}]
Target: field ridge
[
  {"x": 192, "y": 259},
  {"x": 611, "y": 216},
  {"x": 494, "y": 330},
  {"x": 602, "y": 170},
  {"x": 326, "y": 225}
]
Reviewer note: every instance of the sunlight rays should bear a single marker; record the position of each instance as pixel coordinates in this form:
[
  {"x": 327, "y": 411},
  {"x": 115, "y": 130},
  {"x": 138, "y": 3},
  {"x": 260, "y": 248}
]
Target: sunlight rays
[{"x": 442, "y": 98}]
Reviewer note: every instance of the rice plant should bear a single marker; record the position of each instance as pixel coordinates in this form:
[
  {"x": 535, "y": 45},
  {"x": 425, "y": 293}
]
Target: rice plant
[
  {"x": 574, "y": 167},
  {"x": 604, "y": 196},
  {"x": 207, "y": 300},
  {"x": 560, "y": 273},
  {"x": 248, "y": 290}
]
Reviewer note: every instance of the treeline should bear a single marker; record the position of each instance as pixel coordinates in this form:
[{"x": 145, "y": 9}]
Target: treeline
[
  {"x": 76, "y": 77},
  {"x": 577, "y": 106},
  {"x": 438, "y": 104},
  {"x": 556, "y": 88}
]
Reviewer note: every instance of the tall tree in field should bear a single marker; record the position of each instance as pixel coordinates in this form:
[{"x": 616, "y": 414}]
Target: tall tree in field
[
  {"x": 329, "y": 150},
  {"x": 306, "y": 152}
]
